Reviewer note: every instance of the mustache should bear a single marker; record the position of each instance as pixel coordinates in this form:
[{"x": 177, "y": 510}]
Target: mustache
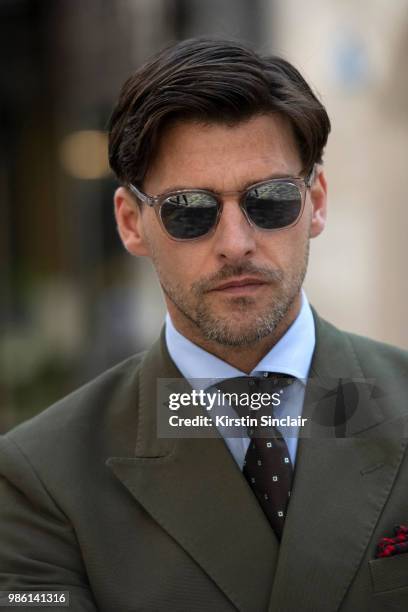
[{"x": 229, "y": 271}]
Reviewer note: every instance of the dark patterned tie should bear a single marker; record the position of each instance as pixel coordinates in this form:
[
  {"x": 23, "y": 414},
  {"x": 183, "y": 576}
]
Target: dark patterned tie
[{"x": 267, "y": 466}]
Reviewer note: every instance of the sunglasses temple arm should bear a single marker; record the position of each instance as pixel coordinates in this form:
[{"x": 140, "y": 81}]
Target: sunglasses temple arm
[
  {"x": 312, "y": 175},
  {"x": 141, "y": 196}
]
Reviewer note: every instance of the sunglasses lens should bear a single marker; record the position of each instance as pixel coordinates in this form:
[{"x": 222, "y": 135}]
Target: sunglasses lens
[
  {"x": 189, "y": 215},
  {"x": 274, "y": 205}
]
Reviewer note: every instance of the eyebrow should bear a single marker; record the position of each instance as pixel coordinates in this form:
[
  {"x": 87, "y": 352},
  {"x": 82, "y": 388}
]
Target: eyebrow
[{"x": 246, "y": 185}]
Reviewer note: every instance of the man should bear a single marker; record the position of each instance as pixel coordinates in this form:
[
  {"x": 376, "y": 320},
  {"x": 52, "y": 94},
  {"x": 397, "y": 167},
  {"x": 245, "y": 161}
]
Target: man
[{"x": 218, "y": 152}]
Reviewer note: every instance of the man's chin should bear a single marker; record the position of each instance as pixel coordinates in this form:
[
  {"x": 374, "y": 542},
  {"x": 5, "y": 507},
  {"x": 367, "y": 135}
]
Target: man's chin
[
  {"x": 238, "y": 307},
  {"x": 240, "y": 321}
]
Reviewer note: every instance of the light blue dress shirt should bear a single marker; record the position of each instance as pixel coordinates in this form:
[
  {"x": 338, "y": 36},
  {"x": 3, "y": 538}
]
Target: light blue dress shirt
[{"x": 291, "y": 355}]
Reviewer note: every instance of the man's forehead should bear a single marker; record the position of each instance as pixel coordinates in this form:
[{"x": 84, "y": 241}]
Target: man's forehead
[{"x": 223, "y": 157}]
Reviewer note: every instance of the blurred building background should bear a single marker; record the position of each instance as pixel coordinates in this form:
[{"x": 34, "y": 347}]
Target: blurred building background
[{"x": 72, "y": 301}]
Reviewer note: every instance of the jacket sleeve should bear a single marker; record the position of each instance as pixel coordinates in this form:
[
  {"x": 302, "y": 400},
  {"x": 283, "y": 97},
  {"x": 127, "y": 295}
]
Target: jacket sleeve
[{"x": 38, "y": 547}]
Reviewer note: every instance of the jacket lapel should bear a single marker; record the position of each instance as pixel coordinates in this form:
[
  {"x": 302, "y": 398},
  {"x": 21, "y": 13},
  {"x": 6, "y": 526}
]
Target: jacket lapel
[
  {"x": 346, "y": 464},
  {"x": 193, "y": 489}
]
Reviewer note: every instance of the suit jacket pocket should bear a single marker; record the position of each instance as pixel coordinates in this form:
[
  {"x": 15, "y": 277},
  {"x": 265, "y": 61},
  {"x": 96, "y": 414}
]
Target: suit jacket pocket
[{"x": 389, "y": 573}]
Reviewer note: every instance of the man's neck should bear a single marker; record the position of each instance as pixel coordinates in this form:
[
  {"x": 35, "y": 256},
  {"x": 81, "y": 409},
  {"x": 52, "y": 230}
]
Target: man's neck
[{"x": 243, "y": 358}]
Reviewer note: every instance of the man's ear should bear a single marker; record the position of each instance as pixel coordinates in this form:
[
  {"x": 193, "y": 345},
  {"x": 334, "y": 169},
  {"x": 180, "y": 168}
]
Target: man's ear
[
  {"x": 318, "y": 197},
  {"x": 128, "y": 216}
]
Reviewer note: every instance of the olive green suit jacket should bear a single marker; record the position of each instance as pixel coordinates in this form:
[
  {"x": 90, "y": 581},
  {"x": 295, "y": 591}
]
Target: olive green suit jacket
[{"x": 93, "y": 502}]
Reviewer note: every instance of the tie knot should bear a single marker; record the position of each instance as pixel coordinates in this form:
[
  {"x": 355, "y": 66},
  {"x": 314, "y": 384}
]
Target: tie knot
[{"x": 255, "y": 394}]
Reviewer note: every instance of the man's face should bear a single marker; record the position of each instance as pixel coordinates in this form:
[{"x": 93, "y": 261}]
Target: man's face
[{"x": 269, "y": 266}]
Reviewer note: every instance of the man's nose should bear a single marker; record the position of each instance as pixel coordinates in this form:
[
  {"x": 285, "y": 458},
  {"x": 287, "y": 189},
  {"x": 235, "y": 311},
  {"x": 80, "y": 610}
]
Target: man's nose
[{"x": 234, "y": 237}]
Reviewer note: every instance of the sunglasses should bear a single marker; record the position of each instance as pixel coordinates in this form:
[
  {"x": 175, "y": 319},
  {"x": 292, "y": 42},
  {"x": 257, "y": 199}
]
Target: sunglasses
[{"x": 189, "y": 214}]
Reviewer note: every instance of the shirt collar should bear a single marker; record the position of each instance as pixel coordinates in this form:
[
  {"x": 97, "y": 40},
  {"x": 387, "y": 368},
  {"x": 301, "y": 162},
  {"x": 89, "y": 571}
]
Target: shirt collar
[{"x": 292, "y": 355}]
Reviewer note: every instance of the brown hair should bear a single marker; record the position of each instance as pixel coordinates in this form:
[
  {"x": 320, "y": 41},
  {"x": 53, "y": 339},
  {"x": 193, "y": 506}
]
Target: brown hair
[{"x": 211, "y": 81}]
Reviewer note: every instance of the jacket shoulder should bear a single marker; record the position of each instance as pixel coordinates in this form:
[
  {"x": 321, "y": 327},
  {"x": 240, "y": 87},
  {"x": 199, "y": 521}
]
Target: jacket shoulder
[
  {"x": 379, "y": 356},
  {"x": 85, "y": 414},
  {"x": 375, "y": 359}
]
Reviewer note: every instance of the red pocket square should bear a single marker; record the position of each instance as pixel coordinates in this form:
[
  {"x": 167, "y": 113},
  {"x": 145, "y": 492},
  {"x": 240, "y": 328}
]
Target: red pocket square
[{"x": 393, "y": 546}]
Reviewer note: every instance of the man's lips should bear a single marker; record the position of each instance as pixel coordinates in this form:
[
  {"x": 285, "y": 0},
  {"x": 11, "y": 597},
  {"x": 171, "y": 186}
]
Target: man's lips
[{"x": 241, "y": 284}]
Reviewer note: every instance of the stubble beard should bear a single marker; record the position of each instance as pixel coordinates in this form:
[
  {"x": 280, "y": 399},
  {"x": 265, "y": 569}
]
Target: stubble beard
[{"x": 242, "y": 325}]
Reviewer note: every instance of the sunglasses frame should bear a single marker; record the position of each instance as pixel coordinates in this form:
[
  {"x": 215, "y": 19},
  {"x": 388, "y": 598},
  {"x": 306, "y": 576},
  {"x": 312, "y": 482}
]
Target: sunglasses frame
[{"x": 156, "y": 202}]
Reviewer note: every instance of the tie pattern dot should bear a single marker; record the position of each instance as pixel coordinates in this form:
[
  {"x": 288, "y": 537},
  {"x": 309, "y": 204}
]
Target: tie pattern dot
[{"x": 267, "y": 465}]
